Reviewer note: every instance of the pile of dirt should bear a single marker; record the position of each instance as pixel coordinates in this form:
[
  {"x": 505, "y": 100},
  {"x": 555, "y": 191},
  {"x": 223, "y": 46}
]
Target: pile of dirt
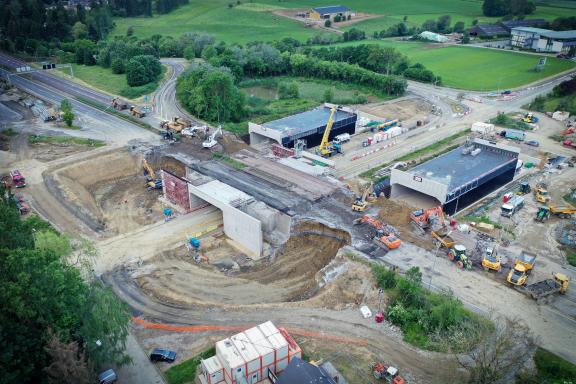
[
  {"x": 227, "y": 281},
  {"x": 231, "y": 144}
]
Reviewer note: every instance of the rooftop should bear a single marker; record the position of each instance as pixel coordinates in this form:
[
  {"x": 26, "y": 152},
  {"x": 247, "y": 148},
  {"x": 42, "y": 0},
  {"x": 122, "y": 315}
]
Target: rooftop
[
  {"x": 331, "y": 9},
  {"x": 306, "y": 121},
  {"x": 522, "y": 23},
  {"x": 491, "y": 29},
  {"x": 300, "y": 371},
  {"x": 455, "y": 169},
  {"x": 548, "y": 33}
]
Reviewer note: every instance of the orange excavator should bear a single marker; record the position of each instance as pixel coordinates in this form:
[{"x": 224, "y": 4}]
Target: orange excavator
[
  {"x": 429, "y": 218},
  {"x": 385, "y": 237}
]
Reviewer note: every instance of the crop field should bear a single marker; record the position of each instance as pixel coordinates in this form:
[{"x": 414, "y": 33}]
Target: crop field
[{"x": 476, "y": 68}]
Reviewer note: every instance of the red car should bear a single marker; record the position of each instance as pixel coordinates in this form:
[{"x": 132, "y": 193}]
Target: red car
[{"x": 568, "y": 143}]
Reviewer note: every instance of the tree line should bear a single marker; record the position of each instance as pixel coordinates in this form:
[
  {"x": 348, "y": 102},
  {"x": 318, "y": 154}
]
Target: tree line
[
  {"x": 493, "y": 8},
  {"x": 57, "y": 323}
]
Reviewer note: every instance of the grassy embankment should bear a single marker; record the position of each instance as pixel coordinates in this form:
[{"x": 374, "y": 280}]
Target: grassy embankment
[{"x": 33, "y": 139}]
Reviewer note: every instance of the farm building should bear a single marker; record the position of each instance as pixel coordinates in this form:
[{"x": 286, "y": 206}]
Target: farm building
[
  {"x": 251, "y": 356},
  {"x": 534, "y": 23},
  {"x": 330, "y": 12},
  {"x": 309, "y": 126},
  {"x": 459, "y": 177},
  {"x": 543, "y": 40},
  {"x": 488, "y": 30}
]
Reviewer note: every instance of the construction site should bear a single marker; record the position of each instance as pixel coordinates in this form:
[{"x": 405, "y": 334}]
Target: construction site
[{"x": 205, "y": 236}]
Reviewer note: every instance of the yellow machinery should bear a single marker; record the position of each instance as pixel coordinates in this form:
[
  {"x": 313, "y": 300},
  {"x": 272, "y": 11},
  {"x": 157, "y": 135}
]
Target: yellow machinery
[
  {"x": 564, "y": 212},
  {"x": 151, "y": 181},
  {"x": 541, "y": 193},
  {"x": 491, "y": 260},
  {"x": 361, "y": 203},
  {"x": 518, "y": 275},
  {"x": 326, "y": 148}
]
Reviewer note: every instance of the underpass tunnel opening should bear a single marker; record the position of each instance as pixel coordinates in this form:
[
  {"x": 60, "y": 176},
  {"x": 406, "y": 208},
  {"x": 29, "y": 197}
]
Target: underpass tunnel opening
[{"x": 412, "y": 197}]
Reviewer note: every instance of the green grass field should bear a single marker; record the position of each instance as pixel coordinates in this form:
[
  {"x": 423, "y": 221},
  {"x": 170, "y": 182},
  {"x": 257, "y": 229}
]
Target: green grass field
[
  {"x": 98, "y": 77},
  {"x": 475, "y": 68},
  {"x": 252, "y": 21}
]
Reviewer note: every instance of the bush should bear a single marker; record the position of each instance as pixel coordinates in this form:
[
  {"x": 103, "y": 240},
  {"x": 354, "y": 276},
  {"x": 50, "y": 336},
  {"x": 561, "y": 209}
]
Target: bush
[
  {"x": 328, "y": 95},
  {"x": 118, "y": 66},
  {"x": 288, "y": 90},
  {"x": 385, "y": 278},
  {"x": 327, "y": 23}
]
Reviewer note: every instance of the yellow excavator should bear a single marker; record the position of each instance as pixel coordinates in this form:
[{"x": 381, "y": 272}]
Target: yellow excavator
[
  {"x": 151, "y": 181},
  {"x": 362, "y": 202},
  {"x": 326, "y": 148},
  {"x": 541, "y": 193}
]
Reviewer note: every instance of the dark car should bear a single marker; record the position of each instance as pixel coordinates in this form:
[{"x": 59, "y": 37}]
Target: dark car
[
  {"x": 163, "y": 355},
  {"x": 533, "y": 143}
]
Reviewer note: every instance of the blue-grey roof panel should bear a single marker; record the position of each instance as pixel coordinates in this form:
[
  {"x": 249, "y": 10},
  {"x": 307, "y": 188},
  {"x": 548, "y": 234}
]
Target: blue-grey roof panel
[
  {"x": 456, "y": 169},
  {"x": 306, "y": 121},
  {"x": 331, "y": 9}
]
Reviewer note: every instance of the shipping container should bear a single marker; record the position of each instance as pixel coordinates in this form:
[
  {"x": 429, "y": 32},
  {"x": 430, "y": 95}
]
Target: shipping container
[{"x": 483, "y": 128}]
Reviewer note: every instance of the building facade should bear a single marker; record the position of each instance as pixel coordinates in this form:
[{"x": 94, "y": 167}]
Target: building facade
[{"x": 543, "y": 40}]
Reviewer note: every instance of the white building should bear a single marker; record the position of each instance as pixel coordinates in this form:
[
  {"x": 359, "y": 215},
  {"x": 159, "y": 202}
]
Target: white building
[
  {"x": 543, "y": 40},
  {"x": 246, "y": 357}
]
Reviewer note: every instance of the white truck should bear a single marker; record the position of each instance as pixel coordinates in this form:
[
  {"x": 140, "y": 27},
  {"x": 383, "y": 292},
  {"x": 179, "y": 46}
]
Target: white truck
[
  {"x": 341, "y": 138},
  {"x": 512, "y": 206}
]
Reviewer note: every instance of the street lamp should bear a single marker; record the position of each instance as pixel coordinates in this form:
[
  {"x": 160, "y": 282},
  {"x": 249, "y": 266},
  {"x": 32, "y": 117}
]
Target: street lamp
[{"x": 436, "y": 257}]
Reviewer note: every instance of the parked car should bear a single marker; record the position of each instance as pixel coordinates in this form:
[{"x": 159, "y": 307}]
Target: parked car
[
  {"x": 533, "y": 143},
  {"x": 159, "y": 354},
  {"x": 107, "y": 377}
]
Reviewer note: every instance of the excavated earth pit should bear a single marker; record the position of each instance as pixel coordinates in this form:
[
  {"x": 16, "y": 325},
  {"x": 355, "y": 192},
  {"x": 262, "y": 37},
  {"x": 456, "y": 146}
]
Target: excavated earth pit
[
  {"x": 107, "y": 192},
  {"x": 306, "y": 270}
]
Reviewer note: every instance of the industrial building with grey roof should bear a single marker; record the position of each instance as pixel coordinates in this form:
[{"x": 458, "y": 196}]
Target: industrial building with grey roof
[{"x": 461, "y": 176}]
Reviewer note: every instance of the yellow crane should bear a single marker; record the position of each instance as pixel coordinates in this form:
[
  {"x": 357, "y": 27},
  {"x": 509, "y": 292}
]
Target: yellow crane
[{"x": 326, "y": 148}]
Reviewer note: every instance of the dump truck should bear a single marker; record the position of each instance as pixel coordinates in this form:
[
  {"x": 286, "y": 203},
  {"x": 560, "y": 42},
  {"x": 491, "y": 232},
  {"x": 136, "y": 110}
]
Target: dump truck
[
  {"x": 17, "y": 179},
  {"x": 512, "y": 206},
  {"x": 118, "y": 104},
  {"x": 442, "y": 239},
  {"x": 523, "y": 265},
  {"x": 388, "y": 373},
  {"x": 541, "y": 193},
  {"x": 543, "y": 289},
  {"x": 21, "y": 204},
  {"x": 134, "y": 111}
]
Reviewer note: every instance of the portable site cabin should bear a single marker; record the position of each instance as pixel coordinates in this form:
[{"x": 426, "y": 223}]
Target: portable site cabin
[{"x": 248, "y": 356}]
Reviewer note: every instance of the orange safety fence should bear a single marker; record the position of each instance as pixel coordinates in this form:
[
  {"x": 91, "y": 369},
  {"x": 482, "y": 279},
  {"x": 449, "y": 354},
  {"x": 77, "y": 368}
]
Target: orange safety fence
[{"x": 208, "y": 328}]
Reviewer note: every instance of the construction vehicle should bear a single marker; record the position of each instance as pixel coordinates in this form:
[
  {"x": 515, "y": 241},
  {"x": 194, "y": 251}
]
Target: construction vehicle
[
  {"x": 177, "y": 124},
  {"x": 210, "y": 141},
  {"x": 21, "y": 204},
  {"x": 512, "y": 206},
  {"x": 17, "y": 179},
  {"x": 134, "y": 111},
  {"x": 523, "y": 265},
  {"x": 118, "y": 104},
  {"x": 491, "y": 260},
  {"x": 542, "y": 289},
  {"x": 442, "y": 239},
  {"x": 387, "y": 372},
  {"x": 523, "y": 189},
  {"x": 541, "y": 193},
  {"x": 530, "y": 118},
  {"x": 386, "y": 236},
  {"x": 151, "y": 181},
  {"x": 342, "y": 138},
  {"x": 458, "y": 254},
  {"x": 193, "y": 245},
  {"x": 429, "y": 218},
  {"x": 361, "y": 202},
  {"x": 326, "y": 148},
  {"x": 564, "y": 212}
]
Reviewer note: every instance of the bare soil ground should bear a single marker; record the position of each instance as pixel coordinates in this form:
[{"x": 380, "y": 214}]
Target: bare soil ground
[
  {"x": 291, "y": 14},
  {"x": 108, "y": 192},
  {"x": 46, "y": 152},
  {"x": 408, "y": 111},
  {"x": 232, "y": 279}
]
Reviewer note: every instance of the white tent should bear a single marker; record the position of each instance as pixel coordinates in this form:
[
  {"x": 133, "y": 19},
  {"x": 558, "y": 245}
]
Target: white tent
[{"x": 432, "y": 36}]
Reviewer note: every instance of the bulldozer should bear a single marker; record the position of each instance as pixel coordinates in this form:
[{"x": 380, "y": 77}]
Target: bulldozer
[
  {"x": 491, "y": 260},
  {"x": 458, "y": 254},
  {"x": 361, "y": 202}
]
